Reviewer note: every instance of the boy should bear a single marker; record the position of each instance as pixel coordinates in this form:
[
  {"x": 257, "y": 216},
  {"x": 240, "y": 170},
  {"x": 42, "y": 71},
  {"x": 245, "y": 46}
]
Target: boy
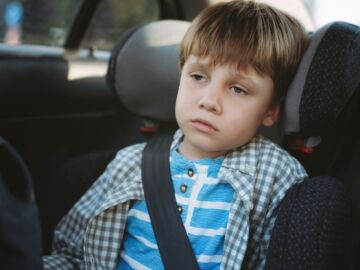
[{"x": 236, "y": 60}]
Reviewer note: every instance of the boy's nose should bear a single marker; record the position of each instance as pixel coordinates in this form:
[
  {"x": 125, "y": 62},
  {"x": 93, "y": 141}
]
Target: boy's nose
[{"x": 210, "y": 101}]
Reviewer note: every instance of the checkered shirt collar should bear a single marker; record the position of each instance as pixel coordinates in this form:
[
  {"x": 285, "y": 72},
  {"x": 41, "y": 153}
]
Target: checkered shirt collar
[{"x": 237, "y": 170}]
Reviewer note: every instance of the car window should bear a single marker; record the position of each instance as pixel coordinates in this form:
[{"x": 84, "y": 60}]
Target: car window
[
  {"x": 315, "y": 13},
  {"x": 325, "y": 11},
  {"x": 114, "y": 17},
  {"x": 43, "y": 22},
  {"x": 48, "y": 22}
]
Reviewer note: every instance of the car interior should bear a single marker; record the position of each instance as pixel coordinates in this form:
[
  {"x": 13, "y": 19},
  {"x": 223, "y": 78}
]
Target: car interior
[{"x": 67, "y": 129}]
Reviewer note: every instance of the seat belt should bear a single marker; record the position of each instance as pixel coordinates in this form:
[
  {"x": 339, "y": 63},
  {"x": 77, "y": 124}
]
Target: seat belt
[{"x": 174, "y": 245}]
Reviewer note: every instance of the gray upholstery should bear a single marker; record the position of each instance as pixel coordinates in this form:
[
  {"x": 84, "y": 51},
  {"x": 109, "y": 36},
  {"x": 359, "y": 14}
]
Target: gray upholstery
[
  {"x": 312, "y": 227},
  {"x": 146, "y": 74},
  {"x": 292, "y": 104},
  {"x": 328, "y": 75}
]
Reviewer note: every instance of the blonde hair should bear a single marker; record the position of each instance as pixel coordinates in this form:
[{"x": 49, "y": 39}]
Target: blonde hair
[{"x": 248, "y": 33}]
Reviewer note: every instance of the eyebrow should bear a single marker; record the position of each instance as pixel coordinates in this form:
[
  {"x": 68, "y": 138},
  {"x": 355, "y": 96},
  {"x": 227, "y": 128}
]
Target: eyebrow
[{"x": 236, "y": 73}]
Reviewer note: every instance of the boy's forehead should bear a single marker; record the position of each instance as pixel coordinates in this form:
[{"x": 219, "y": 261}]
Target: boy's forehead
[
  {"x": 203, "y": 60},
  {"x": 208, "y": 61}
]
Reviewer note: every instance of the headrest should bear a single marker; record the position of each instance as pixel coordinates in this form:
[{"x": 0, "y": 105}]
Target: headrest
[
  {"x": 143, "y": 69},
  {"x": 144, "y": 74},
  {"x": 327, "y": 76}
]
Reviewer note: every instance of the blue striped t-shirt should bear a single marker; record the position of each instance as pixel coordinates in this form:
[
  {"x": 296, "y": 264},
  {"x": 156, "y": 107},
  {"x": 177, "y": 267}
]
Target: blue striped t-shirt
[{"x": 203, "y": 202}]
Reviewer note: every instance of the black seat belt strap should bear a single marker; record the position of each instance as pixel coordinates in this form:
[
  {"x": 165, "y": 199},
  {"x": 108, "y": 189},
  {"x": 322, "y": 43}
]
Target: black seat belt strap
[{"x": 174, "y": 245}]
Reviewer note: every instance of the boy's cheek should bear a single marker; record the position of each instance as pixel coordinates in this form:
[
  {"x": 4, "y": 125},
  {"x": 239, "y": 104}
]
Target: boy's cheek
[
  {"x": 182, "y": 103},
  {"x": 181, "y": 112},
  {"x": 177, "y": 111}
]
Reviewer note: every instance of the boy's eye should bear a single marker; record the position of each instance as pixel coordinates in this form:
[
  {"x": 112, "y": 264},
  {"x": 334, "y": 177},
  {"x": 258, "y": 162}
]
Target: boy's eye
[
  {"x": 197, "y": 77},
  {"x": 238, "y": 90}
]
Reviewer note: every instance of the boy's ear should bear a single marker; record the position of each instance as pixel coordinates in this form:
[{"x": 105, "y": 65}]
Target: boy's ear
[{"x": 271, "y": 116}]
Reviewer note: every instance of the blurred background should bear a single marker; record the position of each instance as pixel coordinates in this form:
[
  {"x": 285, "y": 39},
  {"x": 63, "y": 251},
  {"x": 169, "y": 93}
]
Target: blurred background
[{"x": 47, "y": 22}]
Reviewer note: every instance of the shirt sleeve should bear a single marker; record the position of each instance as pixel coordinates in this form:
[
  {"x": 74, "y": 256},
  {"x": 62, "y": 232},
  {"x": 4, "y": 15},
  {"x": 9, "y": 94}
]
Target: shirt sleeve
[{"x": 69, "y": 234}]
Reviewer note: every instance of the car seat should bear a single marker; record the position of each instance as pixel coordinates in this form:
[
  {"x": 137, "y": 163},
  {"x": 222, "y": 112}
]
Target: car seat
[
  {"x": 143, "y": 74},
  {"x": 322, "y": 131}
]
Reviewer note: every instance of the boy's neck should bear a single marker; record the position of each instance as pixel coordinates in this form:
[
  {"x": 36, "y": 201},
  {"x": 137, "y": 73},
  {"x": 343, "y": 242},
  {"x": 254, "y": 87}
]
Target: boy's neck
[{"x": 191, "y": 153}]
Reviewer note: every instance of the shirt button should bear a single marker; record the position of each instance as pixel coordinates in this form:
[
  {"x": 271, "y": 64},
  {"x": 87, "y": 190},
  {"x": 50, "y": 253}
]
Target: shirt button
[
  {"x": 180, "y": 209},
  {"x": 190, "y": 172},
  {"x": 183, "y": 188}
]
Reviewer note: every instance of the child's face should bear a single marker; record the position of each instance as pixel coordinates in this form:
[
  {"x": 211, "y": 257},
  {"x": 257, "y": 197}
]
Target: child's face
[{"x": 219, "y": 108}]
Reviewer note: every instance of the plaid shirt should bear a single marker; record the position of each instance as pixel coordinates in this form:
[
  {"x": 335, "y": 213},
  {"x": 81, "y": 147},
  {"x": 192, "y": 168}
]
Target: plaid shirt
[{"x": 260, "y": 172}]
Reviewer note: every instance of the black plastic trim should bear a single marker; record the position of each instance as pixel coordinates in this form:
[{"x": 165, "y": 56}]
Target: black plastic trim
[
  {"x": 81, "y": 23},
  {"x": 171, "y": 9}
]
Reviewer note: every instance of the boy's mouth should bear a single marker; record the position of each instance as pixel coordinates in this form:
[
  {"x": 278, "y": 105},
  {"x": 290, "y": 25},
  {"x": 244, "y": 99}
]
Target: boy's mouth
[{"x": 203, "y": 125}]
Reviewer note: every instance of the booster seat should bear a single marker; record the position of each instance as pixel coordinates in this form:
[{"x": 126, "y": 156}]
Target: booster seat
[
  {"x": 318, "y": 129},
  {"x": 321, "y": 126}
]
